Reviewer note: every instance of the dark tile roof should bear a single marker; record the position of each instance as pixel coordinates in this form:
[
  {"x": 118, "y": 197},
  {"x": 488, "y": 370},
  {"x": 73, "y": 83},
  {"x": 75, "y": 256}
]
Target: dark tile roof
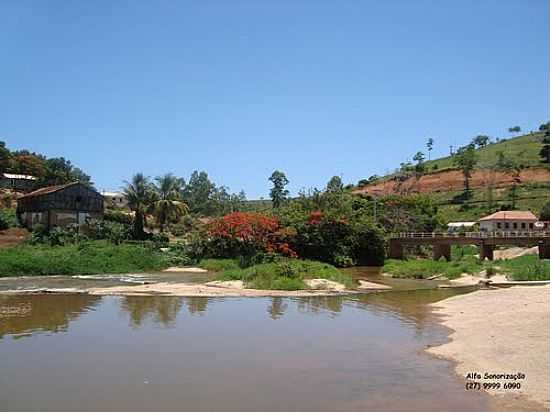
[{"x": 47, "y": 190}]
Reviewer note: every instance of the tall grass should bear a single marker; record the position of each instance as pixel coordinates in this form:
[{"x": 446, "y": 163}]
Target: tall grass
[
  {"x": 526, "y": 268},
  {"x": 94, "y": 257}
]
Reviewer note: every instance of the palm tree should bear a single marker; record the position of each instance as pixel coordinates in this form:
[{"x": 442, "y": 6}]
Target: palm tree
[
  {"x": 168, "y": 205},
  {"x": 140, "y": 195}
]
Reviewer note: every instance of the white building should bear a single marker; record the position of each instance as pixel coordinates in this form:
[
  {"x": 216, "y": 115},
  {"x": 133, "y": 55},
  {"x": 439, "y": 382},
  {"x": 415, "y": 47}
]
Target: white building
[
  {"x": 509, "y": 221},
  {"x": 114, "y": 199}
]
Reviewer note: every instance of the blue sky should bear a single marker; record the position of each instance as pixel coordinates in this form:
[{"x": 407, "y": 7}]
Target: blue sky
[{"x": 239, "y": 88}]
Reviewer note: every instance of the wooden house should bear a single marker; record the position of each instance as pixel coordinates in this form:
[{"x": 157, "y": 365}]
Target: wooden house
[{"x": 63, "y": 205}]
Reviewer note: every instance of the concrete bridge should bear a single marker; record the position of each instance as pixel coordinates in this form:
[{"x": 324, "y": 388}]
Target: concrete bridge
[{"x": 486, "y": 241}]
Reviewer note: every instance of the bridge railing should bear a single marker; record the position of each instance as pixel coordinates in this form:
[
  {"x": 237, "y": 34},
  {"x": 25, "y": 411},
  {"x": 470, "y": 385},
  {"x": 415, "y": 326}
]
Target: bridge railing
[{"x": 476, "y": 235}]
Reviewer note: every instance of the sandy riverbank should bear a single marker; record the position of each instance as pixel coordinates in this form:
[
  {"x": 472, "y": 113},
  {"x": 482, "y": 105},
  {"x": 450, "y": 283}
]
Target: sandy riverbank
[
  {"x": 320, "y": 287},
  {"x": 501, "y": 331}
]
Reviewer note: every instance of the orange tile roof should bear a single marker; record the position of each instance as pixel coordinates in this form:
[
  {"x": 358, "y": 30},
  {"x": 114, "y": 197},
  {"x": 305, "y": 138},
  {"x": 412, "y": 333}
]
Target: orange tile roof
[
  {"x": 510, "y": 215},
  {"x": 47, "y": 190}
]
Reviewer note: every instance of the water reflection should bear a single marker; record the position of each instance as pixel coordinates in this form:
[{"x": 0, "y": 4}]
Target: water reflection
[
  {"x": 277, "y": 308},
  {"x": 159, "y": 309},
  {"x": 23, "y": 314}
]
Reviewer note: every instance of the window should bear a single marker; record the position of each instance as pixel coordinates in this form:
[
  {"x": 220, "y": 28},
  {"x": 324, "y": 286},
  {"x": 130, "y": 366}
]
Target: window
[
  {"x": 507, "y": 225},
  {"x": 499, "y": 225},
  {"x": 515, "y": 225},
  {"x": 523, "y": 225},
  {"x": 530, "y": 226}
]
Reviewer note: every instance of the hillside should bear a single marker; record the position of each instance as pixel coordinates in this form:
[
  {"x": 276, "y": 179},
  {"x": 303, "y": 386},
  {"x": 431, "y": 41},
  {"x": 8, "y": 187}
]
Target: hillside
[{"x": 491, "y": 187}]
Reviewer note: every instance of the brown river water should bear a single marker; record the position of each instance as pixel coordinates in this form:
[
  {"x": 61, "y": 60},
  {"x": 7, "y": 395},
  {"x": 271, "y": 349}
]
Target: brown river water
[{"x": 75, "y": 352}]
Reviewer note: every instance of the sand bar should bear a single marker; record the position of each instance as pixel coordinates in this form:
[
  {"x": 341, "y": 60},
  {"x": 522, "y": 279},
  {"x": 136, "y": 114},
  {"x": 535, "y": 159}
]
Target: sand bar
[{"x": 501, "y": 331}]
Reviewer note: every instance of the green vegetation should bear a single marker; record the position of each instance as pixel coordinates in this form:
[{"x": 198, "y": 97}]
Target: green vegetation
[
  {"x": 426, "y": 268},
  {"x": 7, "y": 219},
  {"x": 217, "y": 265},
  {"x": 522, "y": 149},
  {"x": 526, "y": 268},
  {"x": 92, "y": 257},
  {"x": 285, "y": 274},
  {"x": 49, "y": 171}
]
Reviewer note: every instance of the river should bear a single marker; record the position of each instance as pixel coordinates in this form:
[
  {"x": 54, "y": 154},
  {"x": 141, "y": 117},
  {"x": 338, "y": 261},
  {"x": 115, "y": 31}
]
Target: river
[{"x": 74, "y": 352}]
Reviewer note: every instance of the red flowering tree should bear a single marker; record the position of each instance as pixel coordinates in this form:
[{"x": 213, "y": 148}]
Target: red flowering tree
[{"x": 244, "y": 234}]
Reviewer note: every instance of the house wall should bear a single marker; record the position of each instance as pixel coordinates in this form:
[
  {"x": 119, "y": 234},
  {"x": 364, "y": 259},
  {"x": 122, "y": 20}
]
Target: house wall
[
  {"x": 60, "y": 218},
  {"x": 17, "y": 184},
  {"x": 115, "y": 201},
  {"x": 506, "y": 225}
]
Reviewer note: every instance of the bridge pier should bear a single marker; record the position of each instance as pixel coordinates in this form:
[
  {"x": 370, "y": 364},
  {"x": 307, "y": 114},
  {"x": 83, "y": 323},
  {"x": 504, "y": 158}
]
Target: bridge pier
[
  {"x": 442, "y": 250},
  {"x": 544, "y": 250},
  {"x": 396, "y": 249},
  {"x": 486, "y": 251}
]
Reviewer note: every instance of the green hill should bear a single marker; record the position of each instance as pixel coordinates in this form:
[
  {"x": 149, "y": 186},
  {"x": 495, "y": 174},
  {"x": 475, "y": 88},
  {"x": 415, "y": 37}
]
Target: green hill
[{"x": 522, "y": 149}]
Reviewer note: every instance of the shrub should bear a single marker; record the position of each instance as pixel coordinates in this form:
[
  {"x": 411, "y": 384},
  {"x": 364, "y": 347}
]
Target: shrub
[
  {"x": 7, "y": 219},
  {"x": 338, "y": 242},
  {"x": 117, "y": 216},
  {"x": 3, "y": 222},
  {"x": 246, "y": 234}
]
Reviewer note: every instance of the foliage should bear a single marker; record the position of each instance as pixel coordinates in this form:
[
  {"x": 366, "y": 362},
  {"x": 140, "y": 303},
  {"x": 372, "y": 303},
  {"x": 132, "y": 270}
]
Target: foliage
[
  {"x": 466, "y": 160},
  {"x": 84, "y": 258},
  {"x": 526, "y": 268},
  {"x": 285, "y": 274},
  {"x": 246, "y": 234},
  {"x": 117, "y": 216},
  {"x": 545, "y": 212},
  {"x": 167, "y": 205},
  {"x": 140, "y": 195},
  {"x": 49, "y": 171},
  {"x": 205, "y": 198},
  {"x": 335, "y": 185},
  {"x": 7, "y": 219},
  {"x": 545, "y": 153},
  {"x": 278, "y": 192},
  {"x": 514, "y": 129},
  {"x": 425, "y": 268},
  {"x": 481, "y": 140},
  {"x": 217, "y": 265},
  {"x": 338, "y": 241}
]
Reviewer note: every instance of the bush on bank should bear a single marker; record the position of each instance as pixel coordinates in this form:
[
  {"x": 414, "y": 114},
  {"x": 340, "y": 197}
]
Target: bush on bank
[{"x": 283, "y": 274}]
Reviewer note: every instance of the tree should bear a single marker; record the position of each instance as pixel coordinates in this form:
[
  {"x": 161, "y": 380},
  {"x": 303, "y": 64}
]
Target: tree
[
  {"x": 140, "y": 195},
  {"x": 278, "y": 192},
  {"x": 5, "y": 157},
  {"x": 198, "y": 193},
  {"x": 545, "y": 153},
  {"x": 466, "y": 159},
  {"x": 335, "y": 185},
  {"x": 513, "y": 168},
  {"x": 168, "y": 206},
  {"x": 419, "y": 158},
  {"x": 29, "y": 165},
  {"x": 545, "y": 213},
  {"x": 481, "y": 140},
  {"x": 515, "y": 129},
  {"x": 430, "y": 146},
  {"x": 544, "y": 126}
]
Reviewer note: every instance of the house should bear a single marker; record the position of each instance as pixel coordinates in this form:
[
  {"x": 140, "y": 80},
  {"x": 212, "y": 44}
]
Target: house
[
  {"x": 18, "y": 182},
  {"x": 115, "y": 199},
  {"x": 63, "y": 205},
  {"x": 453, "y": 227},
  {"x": 509, "y": 221}
]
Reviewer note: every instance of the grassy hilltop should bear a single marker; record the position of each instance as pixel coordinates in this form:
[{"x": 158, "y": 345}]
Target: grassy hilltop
[{"x": 521, "y": 152}]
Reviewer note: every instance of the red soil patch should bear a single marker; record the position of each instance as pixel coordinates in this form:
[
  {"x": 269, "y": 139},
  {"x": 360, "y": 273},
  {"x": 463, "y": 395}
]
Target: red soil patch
[
  {"x": 453, "y": 180},
  {"x": 13, "y": 237}
]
